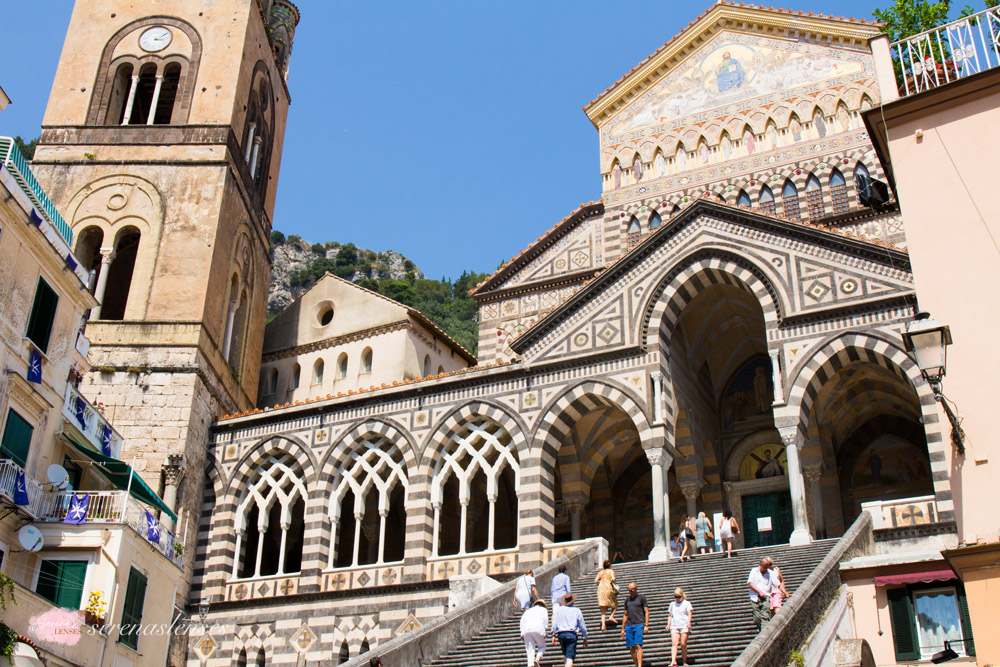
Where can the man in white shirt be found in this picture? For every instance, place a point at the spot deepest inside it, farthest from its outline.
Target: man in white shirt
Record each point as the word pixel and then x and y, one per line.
pixel 762 578
pixel 534 626
pixel 568 627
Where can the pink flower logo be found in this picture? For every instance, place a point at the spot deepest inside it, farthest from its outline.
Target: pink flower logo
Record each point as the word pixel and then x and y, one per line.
pixel 62 626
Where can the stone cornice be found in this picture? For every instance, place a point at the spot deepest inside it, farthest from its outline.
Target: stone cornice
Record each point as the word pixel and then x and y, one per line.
pixel 334 341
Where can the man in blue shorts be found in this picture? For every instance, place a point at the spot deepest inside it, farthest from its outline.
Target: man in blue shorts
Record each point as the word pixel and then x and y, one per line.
pixel 636 620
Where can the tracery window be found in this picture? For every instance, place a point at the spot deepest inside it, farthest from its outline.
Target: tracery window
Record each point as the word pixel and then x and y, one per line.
pixel 270 521
pixel 368 503
pixel 838 192
pixel 814 198
pixel 634 234
pixel 766 200
pixel 474 486
pixel 145 96
pixel 790 200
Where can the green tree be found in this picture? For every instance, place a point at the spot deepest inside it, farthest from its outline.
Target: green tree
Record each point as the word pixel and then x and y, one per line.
pixel 27 148
pixel 909 17
pixel 319 248
pixel 277 238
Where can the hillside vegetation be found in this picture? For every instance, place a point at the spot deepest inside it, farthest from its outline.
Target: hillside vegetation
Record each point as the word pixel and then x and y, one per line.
pixel 296 265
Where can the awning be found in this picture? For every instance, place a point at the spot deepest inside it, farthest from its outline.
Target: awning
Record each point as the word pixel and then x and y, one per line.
pixel 915 578
pixel 118 473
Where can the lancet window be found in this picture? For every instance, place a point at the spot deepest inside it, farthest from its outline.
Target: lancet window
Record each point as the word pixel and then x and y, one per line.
pixel 367 504
pixel 270 521
pixel 474 489
pixel 766 200
pixel 838 191
pixel 790 200
pixel 634 233
pixel 814 198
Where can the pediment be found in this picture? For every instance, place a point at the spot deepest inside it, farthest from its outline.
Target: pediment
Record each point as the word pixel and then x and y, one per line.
pixel 799 271
pixel 732 74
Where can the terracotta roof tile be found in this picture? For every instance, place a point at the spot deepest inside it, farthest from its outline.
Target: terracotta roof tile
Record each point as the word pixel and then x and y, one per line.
pixel 705 13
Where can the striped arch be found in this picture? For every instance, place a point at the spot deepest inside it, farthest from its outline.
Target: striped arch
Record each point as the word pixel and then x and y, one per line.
pixel 806 381
pixel 696 272
pixel 248 467
pixel 343 453
pixel 560 415
pixel 453 422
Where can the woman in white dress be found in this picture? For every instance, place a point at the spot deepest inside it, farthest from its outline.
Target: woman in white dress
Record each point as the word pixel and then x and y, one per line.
pixel 727 530
pixel 525 591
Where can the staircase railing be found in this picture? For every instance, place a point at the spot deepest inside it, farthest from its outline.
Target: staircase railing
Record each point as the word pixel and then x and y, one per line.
pixel 798 616
pixel 449 631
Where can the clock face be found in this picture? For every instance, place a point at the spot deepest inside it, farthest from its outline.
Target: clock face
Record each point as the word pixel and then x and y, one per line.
pixel 155 39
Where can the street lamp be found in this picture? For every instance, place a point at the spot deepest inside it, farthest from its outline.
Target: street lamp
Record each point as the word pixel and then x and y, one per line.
pixel 928 341
pixel 203 609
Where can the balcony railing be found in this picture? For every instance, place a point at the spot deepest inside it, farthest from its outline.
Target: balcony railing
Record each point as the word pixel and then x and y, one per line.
pixel 85 418
pixel 110 507
pixel 12 160
pixel 10 473
pixel 948 53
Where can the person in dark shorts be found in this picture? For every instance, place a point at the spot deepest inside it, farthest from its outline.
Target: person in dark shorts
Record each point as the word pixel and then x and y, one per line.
pixel 636 619
pixel 568 628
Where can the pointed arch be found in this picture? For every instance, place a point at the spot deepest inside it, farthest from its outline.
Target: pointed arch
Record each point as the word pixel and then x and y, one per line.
pixel 766 200
pixel 743 199
pixel 795 127
pixel 616 174
pixel 814 198
pixel 819 123
pixel 654 221
pixel 726 145
pixel 790 200
pixel 749 141
pixel 634 233
pixel 636 168
pixel 838 191
pixel 659 164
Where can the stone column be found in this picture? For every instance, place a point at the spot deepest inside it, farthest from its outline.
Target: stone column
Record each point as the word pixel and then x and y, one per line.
pixel 796 486
pixel 814 476
pixel 660 551
pixel 779 390
pixel 657 379
pixel 691 490
pixel 227 337
pixel 131 99
pixel 491 522
pixel 107 256
pixel 250 135
pixel 171 476
pixel 156 99
pixel 575 509
pixel 665 466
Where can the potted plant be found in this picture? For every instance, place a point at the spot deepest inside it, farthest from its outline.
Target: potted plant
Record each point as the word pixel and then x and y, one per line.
pixel 96 609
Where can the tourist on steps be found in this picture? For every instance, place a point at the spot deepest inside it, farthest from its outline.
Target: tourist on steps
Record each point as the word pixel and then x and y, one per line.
pixel 703 528
pixel 681 616
pixel 560 586
pixel 762 581
pixel 636 619
pixel 728 529
pixel 568 628
pixel 525 592
pixel 534 627
pixel 607 594
pixel 687 537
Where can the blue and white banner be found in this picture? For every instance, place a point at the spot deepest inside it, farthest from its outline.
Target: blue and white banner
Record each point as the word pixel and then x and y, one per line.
pixel 21 490
pixel 152 528
pixel 77 512
pixel 106 440
pixel 80 412
pixel 35 366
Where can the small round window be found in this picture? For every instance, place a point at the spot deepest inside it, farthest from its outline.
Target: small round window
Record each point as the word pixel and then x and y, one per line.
pixel 325 315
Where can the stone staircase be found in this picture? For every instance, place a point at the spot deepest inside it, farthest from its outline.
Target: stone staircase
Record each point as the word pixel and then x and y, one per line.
pixel 715 586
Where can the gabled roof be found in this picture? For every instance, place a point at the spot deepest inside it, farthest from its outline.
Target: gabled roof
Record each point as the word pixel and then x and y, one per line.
pixel 412 312
pixel 872 249
pixel 720 15
pixel 540 245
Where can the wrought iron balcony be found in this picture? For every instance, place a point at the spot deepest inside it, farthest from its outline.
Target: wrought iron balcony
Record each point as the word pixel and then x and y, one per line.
pixel 947 53
pixel 110 507
pixel 10 474
pixel 88 420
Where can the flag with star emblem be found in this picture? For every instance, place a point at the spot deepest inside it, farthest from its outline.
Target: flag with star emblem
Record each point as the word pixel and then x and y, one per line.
pixel 35 366
pixel 106 440
pixel 152 528
pixel 77 512
pixel 80 411
pixel 21 490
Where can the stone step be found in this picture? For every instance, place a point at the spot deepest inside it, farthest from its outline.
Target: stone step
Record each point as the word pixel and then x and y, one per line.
pixel 715 585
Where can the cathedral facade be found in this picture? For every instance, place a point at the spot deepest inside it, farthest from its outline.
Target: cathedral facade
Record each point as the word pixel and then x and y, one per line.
pixel 719 330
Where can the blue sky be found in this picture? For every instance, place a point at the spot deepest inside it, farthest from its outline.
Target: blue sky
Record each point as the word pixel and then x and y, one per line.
pixel 448 131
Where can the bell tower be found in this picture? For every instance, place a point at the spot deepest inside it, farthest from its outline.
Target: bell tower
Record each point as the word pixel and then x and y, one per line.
pixel 161 146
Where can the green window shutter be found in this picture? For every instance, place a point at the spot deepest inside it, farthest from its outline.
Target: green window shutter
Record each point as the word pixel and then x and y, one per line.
pixel 963 612
pixel 43 313
pixel 904 625
pixel 61 582
pixel 16 439
pixel 135 597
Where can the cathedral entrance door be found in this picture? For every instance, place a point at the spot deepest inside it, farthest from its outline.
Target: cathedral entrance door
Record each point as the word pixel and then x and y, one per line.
pixel 778 506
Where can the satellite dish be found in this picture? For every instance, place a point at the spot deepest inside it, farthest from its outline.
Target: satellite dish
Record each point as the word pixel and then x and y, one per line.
pixel 30 538
pixel 57 476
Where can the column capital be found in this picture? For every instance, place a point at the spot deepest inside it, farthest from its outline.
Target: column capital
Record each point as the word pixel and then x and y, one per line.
pixel 574 506
pixel 658 457
pixel 107 255
pixel 690 489
pixel 790 436
pixel 656 375
pixel 172 470
pixel 813 471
